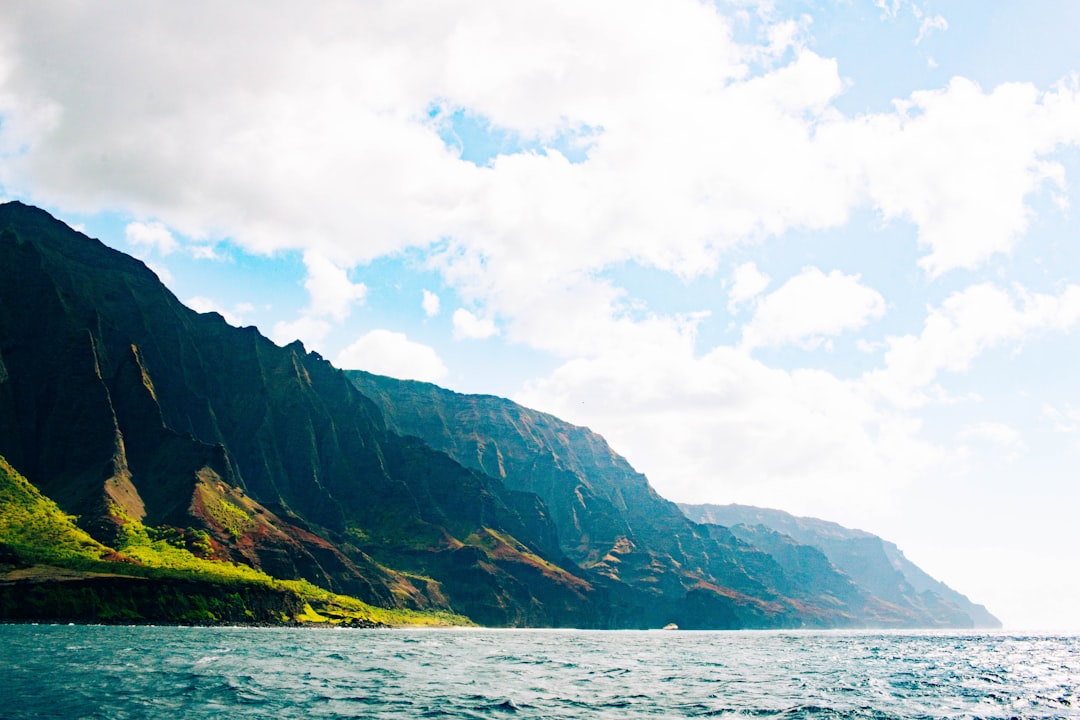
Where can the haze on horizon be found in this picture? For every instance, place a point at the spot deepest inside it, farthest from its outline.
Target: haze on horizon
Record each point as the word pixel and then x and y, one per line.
pixel 818 256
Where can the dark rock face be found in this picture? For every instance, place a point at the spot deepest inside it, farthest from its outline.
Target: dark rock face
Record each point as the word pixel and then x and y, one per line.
pixel 661 565
pixel 877 566
pixel 124 406
pixel 610 522
pixel 119 402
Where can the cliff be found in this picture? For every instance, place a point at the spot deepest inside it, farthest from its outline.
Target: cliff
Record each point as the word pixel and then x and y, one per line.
pixel 874 564
pixel 179 443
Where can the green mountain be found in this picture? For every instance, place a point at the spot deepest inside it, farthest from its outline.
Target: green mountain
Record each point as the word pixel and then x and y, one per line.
pixel 611 521
pixel 51 569
pixel 201 462
pixel 55 569
pixel 874 564
pixel 124 406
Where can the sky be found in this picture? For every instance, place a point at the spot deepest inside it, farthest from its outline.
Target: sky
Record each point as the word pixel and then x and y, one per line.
pixel 817 256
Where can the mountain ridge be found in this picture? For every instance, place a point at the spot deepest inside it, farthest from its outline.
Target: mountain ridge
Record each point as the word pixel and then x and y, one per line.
pixel 872 561
pixel 528 447
pixel 162 427
pixel 117 397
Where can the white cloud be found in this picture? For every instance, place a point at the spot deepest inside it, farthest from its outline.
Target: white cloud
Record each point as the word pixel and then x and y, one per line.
pixel 961 163
pixel 1065 419
pixel 430 303
pixel 810 307
pixel 235 316
pixel 997 433
pixel 318 135
pixel 379 164
pixel 1003 440
pixel 205 252
pixel 331 298
pixel 724 427
pixel 929 25
pixel 747 282
pixel 150 237
pixel 332 293
pixel 204 304
pixel 311 331
pixel 968 323
pixel 889 7
pixel 467 325
pixel 391 353
pixel 147 239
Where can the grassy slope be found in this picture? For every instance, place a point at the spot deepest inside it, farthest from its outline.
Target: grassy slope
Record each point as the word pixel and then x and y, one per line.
pixel 40 544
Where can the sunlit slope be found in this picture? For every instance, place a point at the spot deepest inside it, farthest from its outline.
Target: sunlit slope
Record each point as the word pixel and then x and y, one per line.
pixel 123 406
pixel 50 569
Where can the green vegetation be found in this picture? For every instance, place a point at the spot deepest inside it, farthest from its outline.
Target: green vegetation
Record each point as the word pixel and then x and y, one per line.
pixel 228 515
pixel 103 584
pixel 161 555
pixel 505 547
pixel 323 606
pixel 34 528
pixel 191 539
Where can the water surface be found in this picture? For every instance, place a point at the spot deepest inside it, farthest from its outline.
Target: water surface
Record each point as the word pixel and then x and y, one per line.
pixel 175 672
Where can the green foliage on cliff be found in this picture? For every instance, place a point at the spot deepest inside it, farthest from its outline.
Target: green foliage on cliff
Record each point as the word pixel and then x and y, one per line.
pixel 229 516
pixel 160 557
pixel 324 607
pixel 34 528
pixel 102 583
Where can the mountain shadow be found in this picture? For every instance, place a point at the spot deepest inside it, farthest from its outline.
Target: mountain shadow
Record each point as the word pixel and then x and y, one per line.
pixel 143 418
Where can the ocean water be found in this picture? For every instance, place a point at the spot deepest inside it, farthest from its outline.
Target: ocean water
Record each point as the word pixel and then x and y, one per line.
pixel 51 671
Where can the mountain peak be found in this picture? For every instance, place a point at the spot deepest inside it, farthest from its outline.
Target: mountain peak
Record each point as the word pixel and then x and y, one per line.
pixel 157 425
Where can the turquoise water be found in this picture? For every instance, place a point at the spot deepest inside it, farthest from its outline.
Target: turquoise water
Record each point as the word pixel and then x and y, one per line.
pixel 172 672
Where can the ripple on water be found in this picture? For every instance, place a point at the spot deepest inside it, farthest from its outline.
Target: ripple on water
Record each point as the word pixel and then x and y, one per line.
pixel 65 671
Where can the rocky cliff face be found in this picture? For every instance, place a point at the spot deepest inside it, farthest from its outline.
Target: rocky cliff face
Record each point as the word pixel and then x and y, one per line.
pixel 122 404
pixel 127 408
pixel 876 565
pixel 613 524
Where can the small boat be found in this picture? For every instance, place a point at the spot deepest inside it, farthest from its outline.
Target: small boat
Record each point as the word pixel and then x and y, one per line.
pixel 671 626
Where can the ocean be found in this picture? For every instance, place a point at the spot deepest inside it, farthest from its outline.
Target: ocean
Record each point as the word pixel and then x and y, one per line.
pixel 61 671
